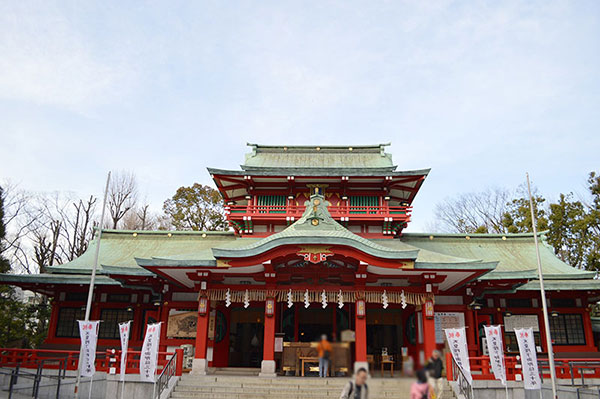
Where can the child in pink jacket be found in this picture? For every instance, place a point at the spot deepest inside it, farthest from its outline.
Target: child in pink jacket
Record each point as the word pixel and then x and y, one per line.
pixel 420 389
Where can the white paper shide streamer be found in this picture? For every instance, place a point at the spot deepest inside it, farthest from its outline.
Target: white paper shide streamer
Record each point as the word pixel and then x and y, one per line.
pixel 493 336
pixel 306 301
pixel 529 364
pixel 403 299
pixel 290 302
pixel 384 299
pixel 340 299
pixel 323 299
pixel 88 331
pixel 246 299
pixel 228 298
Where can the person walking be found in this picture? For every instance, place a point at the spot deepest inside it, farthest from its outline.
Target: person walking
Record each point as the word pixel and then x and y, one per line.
pixel 420 389
pixel 358 388
pixel 324 350
pixel 434 367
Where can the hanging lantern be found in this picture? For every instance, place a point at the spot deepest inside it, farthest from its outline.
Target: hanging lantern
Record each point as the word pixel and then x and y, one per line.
pixel 360 308
pixel 429 309
pixel 384 299
pixel 403 300
pixel 289 299
pixel 228 298
pixel 340 299
pixel 323 299
pixel 203 306
pixel 246 299
pixel 306 300
pixel 270 307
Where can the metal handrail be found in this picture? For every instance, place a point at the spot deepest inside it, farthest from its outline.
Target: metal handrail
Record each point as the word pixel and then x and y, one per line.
pixel 166 374
pixel 16 372
pixel 465 388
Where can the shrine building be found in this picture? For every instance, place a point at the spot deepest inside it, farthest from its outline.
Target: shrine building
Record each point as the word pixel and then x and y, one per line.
pixel 316 246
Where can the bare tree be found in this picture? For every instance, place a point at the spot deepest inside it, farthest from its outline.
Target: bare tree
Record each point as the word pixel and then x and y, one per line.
pixel 58 229
pixel 474 212
pixel 140 218
pixel 79 227
pixel 122 196
pixel 16 202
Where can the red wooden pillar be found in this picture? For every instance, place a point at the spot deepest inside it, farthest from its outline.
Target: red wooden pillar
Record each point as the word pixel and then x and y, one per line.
pixel 53 320
pixel 428 329
pixel 164 319
pixel 267 366
pixel 589 333
pixel 360 328
pixel 200 364
pixel 471 332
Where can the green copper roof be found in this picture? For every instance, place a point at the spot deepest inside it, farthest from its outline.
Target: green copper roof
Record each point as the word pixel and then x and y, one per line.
pixel 316 226
pixel 515 253
pixel 367 156
pixel 562 285
pixel 119 248
pixel 54 278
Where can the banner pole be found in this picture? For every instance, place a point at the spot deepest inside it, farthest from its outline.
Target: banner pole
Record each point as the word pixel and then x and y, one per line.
pixel 91 381
pixel 543 294
pixel 123 389
pixel 92 281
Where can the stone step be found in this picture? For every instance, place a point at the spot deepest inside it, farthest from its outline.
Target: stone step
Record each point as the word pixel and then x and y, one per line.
pixel 250 387
pixel 253 380
pixel 266 389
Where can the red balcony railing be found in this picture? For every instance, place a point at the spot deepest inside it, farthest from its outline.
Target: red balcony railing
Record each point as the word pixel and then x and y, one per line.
pixel 566 368
pixel 337 212
pixel 53 359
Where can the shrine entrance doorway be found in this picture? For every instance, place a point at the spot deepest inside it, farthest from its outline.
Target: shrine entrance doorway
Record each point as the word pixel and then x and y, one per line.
pixel 246 331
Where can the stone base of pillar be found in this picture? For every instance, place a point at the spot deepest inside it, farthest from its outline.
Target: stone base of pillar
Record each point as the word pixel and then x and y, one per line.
pixel 361 365
pixel 199 367
pixel 267 368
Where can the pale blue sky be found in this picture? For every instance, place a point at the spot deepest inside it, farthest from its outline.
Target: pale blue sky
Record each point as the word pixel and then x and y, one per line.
pixel 481 92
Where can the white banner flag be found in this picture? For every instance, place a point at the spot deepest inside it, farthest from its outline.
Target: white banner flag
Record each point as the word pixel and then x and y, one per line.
pixel 529 365
pixel 457 342
pixel 493 336
pixel 124 333
pixel 88 332
pixel 149 356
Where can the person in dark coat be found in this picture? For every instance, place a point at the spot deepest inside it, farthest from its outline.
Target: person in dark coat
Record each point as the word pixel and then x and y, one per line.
pixel 434 368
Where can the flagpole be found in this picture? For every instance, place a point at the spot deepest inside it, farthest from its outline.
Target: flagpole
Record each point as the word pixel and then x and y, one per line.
pixel 91 381
pixel 542 293
pixel 92 280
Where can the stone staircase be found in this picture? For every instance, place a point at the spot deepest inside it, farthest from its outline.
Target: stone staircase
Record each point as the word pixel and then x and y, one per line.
pixel 231 386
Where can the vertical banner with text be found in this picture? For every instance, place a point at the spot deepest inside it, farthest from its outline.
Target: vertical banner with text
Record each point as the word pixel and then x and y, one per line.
pixel 124 333
pixel 88 331
pixel 529 365
pixel 149 355
pixel 493 335
pixel 457 342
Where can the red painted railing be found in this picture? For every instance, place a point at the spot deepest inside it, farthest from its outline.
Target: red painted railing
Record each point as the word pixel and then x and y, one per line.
pixel 566 368
pixel 30 358
pixel 273 211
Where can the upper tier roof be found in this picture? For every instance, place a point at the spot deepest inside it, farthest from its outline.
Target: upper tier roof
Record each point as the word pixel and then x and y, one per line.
pixel 337 157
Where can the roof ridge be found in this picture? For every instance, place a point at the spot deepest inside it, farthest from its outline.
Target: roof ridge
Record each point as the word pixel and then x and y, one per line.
pixel 167 232
pixel 472 235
